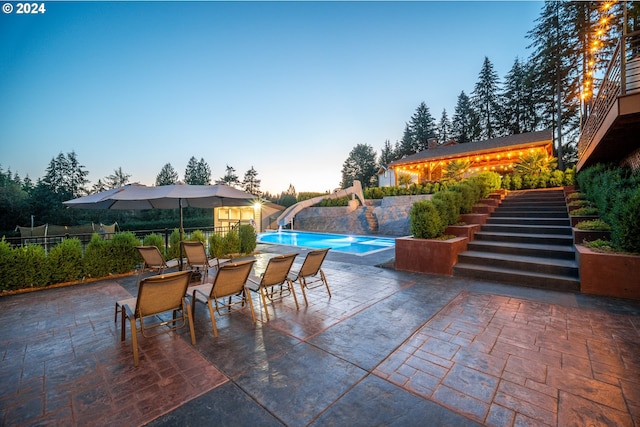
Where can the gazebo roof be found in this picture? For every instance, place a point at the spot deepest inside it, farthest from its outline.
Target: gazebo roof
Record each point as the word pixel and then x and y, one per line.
pixel 511 142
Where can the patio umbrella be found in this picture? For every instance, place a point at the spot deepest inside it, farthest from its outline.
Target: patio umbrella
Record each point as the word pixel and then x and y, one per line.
pixel 176 196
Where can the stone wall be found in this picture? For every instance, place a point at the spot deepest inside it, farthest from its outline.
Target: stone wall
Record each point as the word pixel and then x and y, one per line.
pixel 392 215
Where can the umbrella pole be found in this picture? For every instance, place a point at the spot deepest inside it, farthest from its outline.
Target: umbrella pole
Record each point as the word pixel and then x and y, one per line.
pixel 181 232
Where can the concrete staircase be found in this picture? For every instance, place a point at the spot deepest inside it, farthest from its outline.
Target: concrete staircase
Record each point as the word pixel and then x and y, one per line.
pixel 371 219
pixel 526 241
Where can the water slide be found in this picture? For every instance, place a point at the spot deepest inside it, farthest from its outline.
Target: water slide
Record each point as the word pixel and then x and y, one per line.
pixel 287 216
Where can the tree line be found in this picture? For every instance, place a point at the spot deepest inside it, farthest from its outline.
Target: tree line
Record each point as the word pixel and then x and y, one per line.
pixel 571 45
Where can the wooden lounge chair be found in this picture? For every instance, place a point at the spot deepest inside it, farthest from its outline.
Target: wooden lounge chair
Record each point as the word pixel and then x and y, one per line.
pixel 198 260
pixel 229 281
pixel 152 259
pixel 274 283
pixel 311 275
pixel 157 295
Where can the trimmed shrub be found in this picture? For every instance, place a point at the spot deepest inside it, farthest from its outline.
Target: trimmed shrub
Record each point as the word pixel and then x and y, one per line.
pixel 452 201
pixel 154 239
pixel 173 251
pixel 248 239
pixel 124 253
pixel 65 261
pixel 31 267
pixel 231 243
pixel 424 220
pixel 626 228
pixel 8 266
pixel 197 236
pixel 216 245
pixel 97 257
pixel 596 224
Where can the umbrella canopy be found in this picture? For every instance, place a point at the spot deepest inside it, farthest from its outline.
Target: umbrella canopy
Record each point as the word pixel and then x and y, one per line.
pixel 177 196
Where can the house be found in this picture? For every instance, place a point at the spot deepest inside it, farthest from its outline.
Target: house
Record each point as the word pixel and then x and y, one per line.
pixel 498 154
pixel 386 177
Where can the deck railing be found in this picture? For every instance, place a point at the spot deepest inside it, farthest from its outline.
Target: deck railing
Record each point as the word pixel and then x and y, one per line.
pixel 621 78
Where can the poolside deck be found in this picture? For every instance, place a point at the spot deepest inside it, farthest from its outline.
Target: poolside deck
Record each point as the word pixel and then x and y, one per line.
pixel 389 348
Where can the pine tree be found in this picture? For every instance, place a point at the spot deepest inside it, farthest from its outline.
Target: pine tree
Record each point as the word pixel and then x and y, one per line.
pixel 117 179
pixel 464 126
pixel 485 99
pixel 513 99
pixel 197 172
pixel 251 183
pixel 422 127
pixel 444 128
pixel 230 178
pixel 167 176
pixel 361 165
pixel 386 154
pixel 406 146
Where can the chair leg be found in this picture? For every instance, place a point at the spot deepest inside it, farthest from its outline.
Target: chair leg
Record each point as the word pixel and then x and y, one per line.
pixel 264 301
pixel 123 325
pixel 246 296
pixel 324 280
pixel 115 315
pixel 302 286
pixel 293 291
pixel 134 341
pixel 190 317
pixel 213 319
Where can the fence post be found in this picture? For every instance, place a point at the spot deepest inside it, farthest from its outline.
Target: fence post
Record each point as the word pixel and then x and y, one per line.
pixel 166 239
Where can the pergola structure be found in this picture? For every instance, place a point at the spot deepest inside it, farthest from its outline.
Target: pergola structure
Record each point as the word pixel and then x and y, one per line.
pixel 499 155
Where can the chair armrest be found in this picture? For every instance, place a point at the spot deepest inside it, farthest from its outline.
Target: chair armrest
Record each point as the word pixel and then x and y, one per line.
pixel 128 311
pixel 172 263
pixel 253 283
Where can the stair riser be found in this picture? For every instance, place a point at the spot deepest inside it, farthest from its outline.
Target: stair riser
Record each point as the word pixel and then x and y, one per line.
pixel 548 239
pixel 502 228
pixel 558 222
pixel 541 268
pixel 514 279
pixel 532 214
pixel 512 250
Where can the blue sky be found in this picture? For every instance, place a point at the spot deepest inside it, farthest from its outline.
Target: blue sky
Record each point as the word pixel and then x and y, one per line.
pixel 286 87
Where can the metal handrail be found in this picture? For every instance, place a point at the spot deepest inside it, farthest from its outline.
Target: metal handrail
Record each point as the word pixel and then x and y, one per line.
pixel 614 84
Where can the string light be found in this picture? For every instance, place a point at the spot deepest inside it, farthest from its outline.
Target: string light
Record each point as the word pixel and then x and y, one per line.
pixel 596 45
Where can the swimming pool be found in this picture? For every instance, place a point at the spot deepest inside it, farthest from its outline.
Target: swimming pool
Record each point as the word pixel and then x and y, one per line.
pixel 357 245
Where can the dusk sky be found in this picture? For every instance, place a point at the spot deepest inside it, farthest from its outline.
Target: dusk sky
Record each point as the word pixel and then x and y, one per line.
pixel 289 88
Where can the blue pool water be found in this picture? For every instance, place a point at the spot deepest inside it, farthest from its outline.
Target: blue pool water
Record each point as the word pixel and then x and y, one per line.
pixel 357 245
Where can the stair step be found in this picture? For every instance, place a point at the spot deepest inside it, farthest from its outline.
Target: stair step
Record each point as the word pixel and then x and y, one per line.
pixel 524 249
pixel 517 277
pixel 527 228
pixel 543 222
pixel 551 239
pixel 560 267
pixel 530 213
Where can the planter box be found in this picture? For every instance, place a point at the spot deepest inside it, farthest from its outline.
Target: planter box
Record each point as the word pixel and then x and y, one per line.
pixel 485 209
pixel 614 275
pixel 579 218
pixel 428 255
pixel 467 231
pixel 568 189
pixel 490 202
pixel 474 218
pixel 580 236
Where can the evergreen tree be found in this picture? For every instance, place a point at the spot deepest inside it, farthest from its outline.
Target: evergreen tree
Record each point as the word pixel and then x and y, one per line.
pixel 444 128
pixel 167 176
pixel 512 118
pixel 386 154
pixel 197 172
pixel 406 146
pixel 422 127
pixel 251 183
pixel 66 177
pixel 230 178
pixel 465 124
pixel 361 165
pixel 117 179
pixel 485 99
pixel 98 187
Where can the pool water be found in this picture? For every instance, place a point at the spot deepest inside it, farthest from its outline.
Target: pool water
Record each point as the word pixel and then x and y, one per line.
pixel 357 245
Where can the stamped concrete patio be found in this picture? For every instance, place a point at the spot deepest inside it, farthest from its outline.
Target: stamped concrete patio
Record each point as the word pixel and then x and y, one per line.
pixel 389 348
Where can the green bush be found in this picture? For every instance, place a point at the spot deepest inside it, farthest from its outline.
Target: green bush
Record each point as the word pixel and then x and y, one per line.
pixel 557 178
pixel 216 245
pixel 31 267
pixel 488 182
pixel 97 257
pixel 452 201
pixel 231 243
pixel 424 220
pixel 596 224
pixel 626 228
pixel 586 211
pixel 470 193
pixel 197 236
pixel 8 266
pixel 124 253
pixel 65 261
pixel 173 251
pixel 248 239
pixel 154 239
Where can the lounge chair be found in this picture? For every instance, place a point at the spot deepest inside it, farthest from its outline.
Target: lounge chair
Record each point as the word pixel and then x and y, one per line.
pixel 274 284
pixel 157 295
pixel 151 260
pixel 311 275
pixel 229 281
pixel 198 260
